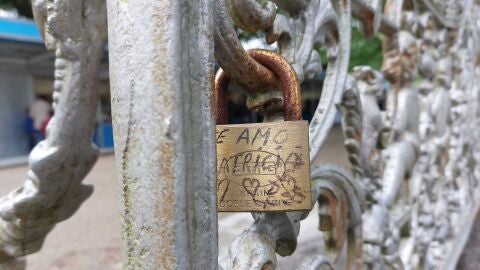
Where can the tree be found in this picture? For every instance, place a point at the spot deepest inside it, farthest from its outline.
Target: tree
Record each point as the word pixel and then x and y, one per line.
pixel 23 7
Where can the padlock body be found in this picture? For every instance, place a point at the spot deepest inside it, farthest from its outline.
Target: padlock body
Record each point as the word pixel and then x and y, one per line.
pixel 263 167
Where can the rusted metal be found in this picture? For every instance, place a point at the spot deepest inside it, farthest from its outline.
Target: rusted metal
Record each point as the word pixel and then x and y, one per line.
pixel 341 204
pixel 291 88
pixel 292 108
pixel 251 15
pixel 288 188
pixel 219 97
pixel 372 20
pixel 292 7
pixel 234 60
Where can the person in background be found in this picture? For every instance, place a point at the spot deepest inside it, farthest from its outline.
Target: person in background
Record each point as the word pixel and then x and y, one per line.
pixel 43 128
pixel 40 112
pixel 30 130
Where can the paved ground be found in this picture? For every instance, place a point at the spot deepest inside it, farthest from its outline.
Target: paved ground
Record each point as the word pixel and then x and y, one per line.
pixel 91 240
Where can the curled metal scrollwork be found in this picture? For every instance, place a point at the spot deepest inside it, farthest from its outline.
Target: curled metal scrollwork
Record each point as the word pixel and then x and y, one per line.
pixel 233 58
pixel 415 160
pixel 418 135
pixel 53 190
pixel 341 202
pixel 252 16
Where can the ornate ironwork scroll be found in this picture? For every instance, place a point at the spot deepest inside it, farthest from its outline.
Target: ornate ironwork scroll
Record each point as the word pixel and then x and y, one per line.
pixel 408 201
pixel 414 162
pixel 53 190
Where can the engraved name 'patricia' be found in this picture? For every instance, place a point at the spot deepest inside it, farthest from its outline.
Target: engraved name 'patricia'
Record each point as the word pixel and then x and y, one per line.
pixel 253 163
pixel 261 167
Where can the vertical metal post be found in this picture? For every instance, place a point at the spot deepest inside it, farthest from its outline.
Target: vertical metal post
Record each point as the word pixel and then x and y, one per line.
pixel 161 70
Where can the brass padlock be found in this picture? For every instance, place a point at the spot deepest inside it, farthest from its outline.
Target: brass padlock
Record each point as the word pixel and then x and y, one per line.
pixel 263 166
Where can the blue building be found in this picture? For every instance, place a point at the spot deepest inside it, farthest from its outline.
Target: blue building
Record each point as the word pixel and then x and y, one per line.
pixel 26 71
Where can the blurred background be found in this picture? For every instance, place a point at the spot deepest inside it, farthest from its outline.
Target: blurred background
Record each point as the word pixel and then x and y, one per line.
pixel 26 85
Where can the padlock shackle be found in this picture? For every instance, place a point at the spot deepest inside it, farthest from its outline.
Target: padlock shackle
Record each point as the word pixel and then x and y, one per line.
pixel 292 107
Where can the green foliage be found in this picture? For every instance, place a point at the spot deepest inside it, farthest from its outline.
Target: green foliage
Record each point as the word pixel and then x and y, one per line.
pixel 365 51
pixel 23 7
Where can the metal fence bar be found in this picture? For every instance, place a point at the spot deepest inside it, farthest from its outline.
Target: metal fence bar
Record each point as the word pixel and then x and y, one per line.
pixel 161 59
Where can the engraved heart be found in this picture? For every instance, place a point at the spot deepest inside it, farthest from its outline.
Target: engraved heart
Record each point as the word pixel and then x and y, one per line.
pixel 251 185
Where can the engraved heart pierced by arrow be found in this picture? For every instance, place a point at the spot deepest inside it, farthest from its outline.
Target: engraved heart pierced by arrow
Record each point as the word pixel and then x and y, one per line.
pixel 251 185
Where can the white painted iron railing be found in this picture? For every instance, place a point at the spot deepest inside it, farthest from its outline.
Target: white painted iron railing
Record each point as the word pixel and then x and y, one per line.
pixel 408 202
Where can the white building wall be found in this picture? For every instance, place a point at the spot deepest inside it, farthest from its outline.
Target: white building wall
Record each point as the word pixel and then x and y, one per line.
pixel 16 94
